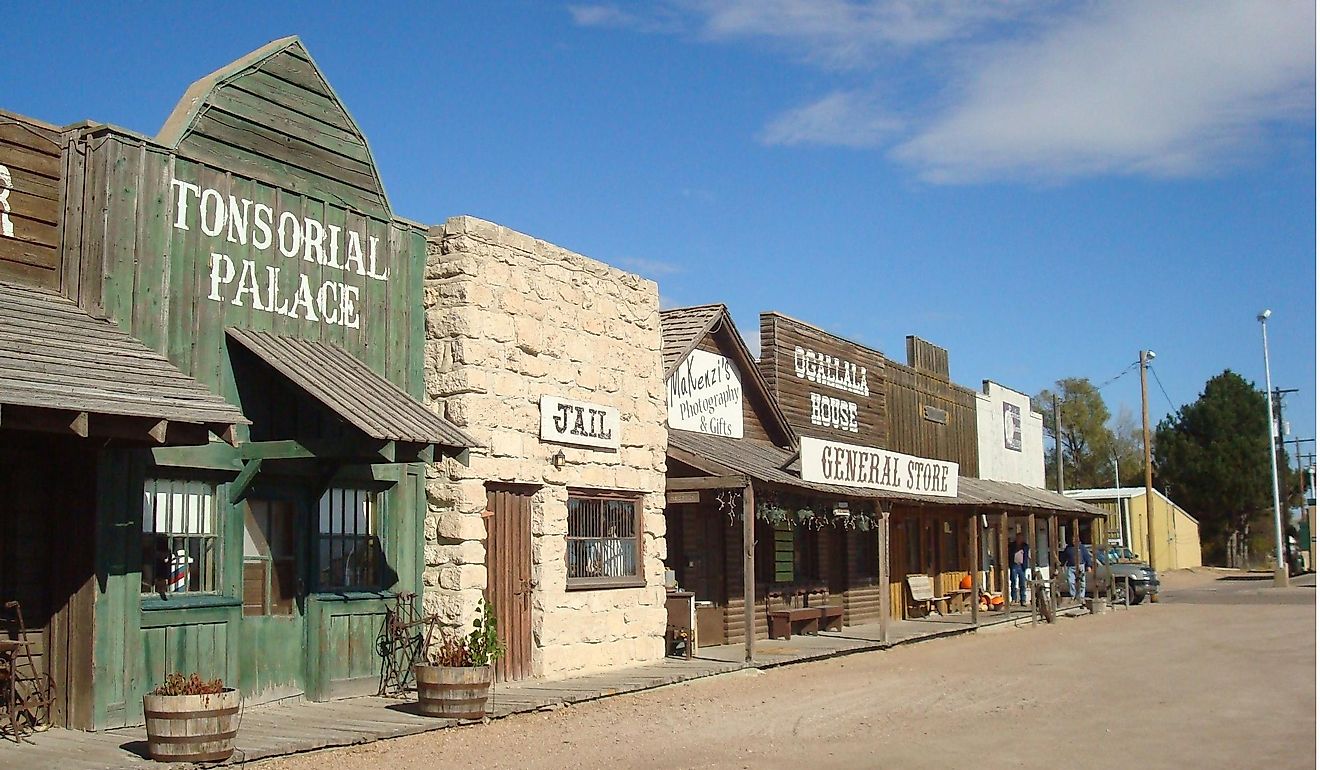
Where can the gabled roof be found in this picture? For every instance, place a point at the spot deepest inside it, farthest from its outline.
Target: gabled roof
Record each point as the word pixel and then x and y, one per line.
pixel 272 115
pixel 54 355
pixel 1106 494
pixel 682 330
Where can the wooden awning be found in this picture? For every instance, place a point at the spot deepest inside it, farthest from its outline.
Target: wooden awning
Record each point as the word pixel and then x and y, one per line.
pixel 62 370
pixel 346 386
pixel 774 465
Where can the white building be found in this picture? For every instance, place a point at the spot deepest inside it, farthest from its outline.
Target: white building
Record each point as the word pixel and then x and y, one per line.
pixel 1010 437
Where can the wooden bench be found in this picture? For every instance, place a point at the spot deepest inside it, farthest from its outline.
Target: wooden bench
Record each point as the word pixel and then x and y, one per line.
pixel 922 592
pixel 781 621
pixel 831 617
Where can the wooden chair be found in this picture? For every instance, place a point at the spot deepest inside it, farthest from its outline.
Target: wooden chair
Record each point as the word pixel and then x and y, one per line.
pixel 921 589
pixel 26 694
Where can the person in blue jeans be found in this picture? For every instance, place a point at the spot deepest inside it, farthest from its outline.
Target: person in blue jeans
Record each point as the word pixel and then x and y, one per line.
pixel 1019 559
pixel 1076 583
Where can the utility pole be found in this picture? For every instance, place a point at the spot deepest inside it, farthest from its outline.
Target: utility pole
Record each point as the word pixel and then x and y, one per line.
pixel 1058 447
pixel 1301 469
pixel 1145 357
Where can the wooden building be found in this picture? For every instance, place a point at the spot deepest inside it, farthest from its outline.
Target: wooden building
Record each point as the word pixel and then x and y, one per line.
pixel 214 337
pixel 852 398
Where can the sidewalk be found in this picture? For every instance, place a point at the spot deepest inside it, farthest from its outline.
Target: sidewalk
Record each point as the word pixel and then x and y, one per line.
pixel 281 729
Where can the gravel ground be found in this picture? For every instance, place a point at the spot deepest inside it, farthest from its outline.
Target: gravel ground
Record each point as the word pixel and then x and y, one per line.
pixel 1220 674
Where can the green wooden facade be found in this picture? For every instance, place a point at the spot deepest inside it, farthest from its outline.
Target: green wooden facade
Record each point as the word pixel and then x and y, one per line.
pixel 257 207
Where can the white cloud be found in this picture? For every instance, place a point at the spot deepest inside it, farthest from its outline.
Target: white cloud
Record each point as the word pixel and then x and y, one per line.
pixel 842 118
pixel 650 267
pixel 980 90
pixel 1159 89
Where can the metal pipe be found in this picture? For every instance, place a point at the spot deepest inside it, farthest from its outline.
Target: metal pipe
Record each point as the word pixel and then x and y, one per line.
pixel 1280 570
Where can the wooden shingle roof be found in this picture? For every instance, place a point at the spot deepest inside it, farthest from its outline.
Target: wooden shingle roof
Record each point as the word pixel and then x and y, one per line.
pixel 54 355
pixel 681 330
pixel 345 385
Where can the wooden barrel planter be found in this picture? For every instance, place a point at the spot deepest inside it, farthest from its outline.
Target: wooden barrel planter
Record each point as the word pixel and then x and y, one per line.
pixel 453 692
pixel 192 728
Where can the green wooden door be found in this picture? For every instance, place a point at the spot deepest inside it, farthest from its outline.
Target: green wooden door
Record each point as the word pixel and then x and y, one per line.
pixel 273 663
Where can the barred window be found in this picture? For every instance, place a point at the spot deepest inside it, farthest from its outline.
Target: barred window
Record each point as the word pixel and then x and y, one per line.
pixel 349 554
pixel 604 541
pixel 181 544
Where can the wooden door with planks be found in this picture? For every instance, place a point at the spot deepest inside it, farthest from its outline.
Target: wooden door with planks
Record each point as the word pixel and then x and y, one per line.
pixel 509 583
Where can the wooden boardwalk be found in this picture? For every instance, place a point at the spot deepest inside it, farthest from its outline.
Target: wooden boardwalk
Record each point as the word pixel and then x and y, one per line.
pixel 292 728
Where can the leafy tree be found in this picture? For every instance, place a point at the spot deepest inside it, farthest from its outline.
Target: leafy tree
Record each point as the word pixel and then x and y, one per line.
pixel 1089 443
pixel 1213 457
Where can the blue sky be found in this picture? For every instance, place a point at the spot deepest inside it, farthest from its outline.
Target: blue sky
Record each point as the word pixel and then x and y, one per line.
pixel 1043 188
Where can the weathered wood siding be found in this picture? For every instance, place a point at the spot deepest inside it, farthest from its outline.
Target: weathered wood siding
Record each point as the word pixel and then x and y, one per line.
pixel 783 340
pixel 30 201
pixel 155 279
pixel 917 431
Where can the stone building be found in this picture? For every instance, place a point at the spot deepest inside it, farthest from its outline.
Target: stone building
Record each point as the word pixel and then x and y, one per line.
pixel 551 362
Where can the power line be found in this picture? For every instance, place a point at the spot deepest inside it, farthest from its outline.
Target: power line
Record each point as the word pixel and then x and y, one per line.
pixel 1172 408
pixel 1118 376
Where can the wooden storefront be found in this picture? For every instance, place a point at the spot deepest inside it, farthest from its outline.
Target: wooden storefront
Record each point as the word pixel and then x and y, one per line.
pixel 808 550
pixel 251 249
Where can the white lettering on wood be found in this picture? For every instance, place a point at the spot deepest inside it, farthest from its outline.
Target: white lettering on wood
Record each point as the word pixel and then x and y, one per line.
pixel 6 184
pixel 258 226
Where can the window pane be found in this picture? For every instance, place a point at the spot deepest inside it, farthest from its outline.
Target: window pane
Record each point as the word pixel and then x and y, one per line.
pixel 348 553
pixel 180 544
pixel 602 538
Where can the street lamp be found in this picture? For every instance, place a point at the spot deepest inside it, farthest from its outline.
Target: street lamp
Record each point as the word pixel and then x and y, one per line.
pixel 1280 569
pixel 1144 357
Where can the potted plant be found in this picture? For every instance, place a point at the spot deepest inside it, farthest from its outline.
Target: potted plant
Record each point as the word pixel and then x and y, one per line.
pixel 455 681
pixel 190 719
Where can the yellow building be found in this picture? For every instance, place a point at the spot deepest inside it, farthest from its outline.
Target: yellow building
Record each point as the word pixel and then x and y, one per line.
pixel 1177 534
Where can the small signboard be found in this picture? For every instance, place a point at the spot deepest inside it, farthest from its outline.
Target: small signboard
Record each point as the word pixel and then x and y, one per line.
pixel 579 423
pixel 848 465
pixel 705 396
pixel 683 497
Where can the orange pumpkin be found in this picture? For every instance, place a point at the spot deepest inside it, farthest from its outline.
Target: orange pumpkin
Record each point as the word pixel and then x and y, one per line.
pixel 995 601
pixel 966 582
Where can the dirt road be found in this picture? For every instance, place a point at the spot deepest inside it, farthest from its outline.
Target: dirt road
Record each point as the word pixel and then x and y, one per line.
pixel 1220 674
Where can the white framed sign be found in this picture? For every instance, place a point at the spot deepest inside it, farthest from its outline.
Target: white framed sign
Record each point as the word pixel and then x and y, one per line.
pixel 848 465
pixel 705 396
pixel 565 421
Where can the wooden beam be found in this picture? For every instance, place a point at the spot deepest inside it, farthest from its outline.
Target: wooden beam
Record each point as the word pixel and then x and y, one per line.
pixel 79 425
pixel 749 569
pixel 705 482
pixel 238 490
pixel 1002 559
pixel 371 451
pixel 159 430
pixel 885 609
pixel 974 549
pixel 228 433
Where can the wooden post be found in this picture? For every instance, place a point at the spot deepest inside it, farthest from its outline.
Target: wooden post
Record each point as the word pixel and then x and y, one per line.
pixel 974 550
pixel 1079 569
pixel 1052 538
pixel 749 569
pixel 883 526
pixel 1032 558
pixel 1003 563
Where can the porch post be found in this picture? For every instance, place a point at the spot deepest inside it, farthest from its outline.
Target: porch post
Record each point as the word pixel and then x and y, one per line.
pixel 1052 538
pixel 749 569
pixel 974 551
pixel 883 569
pixel 1080 568
pixel 1002 559
pixel 1033 557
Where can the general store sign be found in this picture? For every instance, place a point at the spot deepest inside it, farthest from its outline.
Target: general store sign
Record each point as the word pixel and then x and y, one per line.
pixel 705 396
pixel 282 244
pixel 848 465
pixel 580 423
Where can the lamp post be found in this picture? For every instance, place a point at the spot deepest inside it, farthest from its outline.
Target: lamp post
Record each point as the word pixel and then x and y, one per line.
pixel 1145 357
pixel 1280 569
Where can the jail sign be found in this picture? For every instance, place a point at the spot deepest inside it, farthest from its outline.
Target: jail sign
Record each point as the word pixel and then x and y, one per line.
pixel 580 423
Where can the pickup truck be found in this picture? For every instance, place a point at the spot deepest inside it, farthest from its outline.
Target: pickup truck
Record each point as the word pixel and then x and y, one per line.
pixel 1113 564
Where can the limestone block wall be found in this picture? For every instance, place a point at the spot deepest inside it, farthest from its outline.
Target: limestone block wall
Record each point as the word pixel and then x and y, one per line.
pixel 510 318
